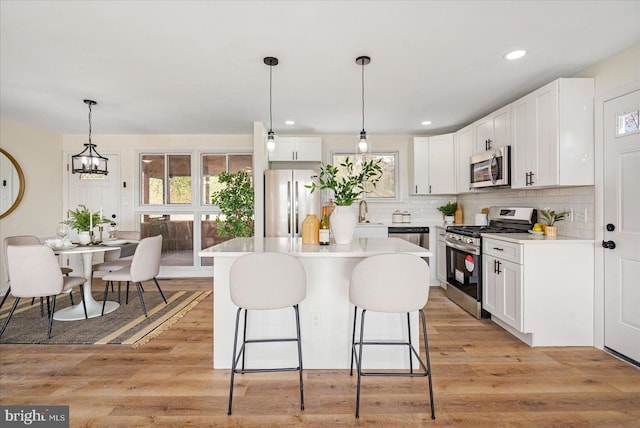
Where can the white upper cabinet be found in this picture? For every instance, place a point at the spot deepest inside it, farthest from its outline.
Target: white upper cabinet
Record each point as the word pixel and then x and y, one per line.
pixel 433 166
pixel 307 149
pixel 492 131
pixel 552 135
pixel 464 143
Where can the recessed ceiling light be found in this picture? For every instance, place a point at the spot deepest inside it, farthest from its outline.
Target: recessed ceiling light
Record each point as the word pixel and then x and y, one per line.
pixel 426 122
pixel 515 55
pixel 289 122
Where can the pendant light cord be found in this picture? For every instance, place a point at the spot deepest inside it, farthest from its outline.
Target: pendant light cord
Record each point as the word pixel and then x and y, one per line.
pixel 270 98
pixel 363 95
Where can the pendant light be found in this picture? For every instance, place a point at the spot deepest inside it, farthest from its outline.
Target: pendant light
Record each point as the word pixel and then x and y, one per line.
pixel 363 146
pixel 89 161
pixel 271 142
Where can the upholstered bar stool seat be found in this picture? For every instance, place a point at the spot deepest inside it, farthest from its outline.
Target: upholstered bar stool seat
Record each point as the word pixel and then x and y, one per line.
pixel 261 281
pixel 390 283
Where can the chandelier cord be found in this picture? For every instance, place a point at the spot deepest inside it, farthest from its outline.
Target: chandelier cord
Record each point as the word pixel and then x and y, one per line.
pixel 89 123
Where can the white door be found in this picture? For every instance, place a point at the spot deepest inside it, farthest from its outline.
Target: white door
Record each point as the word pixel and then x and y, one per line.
pixel 98 192
pixel 622 225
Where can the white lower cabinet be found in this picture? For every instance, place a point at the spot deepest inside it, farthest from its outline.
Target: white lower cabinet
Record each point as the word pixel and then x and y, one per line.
pixel 502 281
pixel 441 256
pixel 541 291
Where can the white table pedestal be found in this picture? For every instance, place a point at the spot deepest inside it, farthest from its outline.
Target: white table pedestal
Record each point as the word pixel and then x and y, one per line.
pixel 94 307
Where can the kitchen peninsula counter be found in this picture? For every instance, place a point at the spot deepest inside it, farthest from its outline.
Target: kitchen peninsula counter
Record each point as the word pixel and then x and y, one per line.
pixel 326 315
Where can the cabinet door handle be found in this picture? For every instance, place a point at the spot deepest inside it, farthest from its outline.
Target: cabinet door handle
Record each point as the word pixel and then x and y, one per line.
pixel 499 271
pixel 495 266
pixel 429 188
pixel 416 188
pixel 531 178
pixel 488 143
pixel 498 249
pixel 526 178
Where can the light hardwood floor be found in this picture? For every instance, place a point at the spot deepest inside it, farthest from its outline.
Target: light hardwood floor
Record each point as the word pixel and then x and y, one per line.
pixel 482 376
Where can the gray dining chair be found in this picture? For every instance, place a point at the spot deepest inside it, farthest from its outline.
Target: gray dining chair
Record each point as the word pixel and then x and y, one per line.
pixel 145 266
pixel 390 283
pixel 35 273
pixel 265 281
pixel 27 240
pixel 112 260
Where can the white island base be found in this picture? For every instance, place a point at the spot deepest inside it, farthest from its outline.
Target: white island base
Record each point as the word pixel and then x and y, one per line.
pixel 326 316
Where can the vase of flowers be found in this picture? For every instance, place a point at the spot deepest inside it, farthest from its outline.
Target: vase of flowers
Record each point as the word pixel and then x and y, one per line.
pixel 348 181
pixel 550 217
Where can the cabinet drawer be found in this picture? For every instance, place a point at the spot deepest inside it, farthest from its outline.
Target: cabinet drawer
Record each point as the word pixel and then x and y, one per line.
pixel 503 250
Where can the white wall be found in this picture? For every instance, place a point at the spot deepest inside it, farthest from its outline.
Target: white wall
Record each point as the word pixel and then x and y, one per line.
pixel 38 151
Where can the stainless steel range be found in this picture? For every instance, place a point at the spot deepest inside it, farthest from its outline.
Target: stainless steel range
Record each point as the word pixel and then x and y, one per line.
pixel 464 254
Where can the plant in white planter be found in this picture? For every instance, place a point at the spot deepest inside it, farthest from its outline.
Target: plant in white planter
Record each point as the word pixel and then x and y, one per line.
pixel 348 183
pixel 82 220
pixel 448 211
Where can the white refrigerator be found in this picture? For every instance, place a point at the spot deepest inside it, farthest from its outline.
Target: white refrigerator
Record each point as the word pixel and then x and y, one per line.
pixel 288 201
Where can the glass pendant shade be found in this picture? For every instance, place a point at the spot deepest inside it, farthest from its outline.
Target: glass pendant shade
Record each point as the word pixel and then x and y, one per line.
pixel 363 146
pixel 89 161
pixel 271 142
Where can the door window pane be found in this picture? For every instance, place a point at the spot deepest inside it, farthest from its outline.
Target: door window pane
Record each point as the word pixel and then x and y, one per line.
pixel 628 123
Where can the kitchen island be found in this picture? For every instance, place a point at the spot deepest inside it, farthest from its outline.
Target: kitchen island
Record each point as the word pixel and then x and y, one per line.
pixel 326 315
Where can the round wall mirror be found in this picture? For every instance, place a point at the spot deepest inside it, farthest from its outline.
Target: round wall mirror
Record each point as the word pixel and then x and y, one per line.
pixel 11 184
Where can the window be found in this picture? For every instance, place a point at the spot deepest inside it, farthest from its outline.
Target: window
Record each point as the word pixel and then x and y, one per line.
pixel 213 165
pixel 165 179
pixel 170 206
pixel 386 189
pixel 627 123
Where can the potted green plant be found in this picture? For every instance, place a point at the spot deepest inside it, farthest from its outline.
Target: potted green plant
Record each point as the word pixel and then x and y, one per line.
pixel 235 201
pixel 83 220
pixel 448 211
pixel 348 182
pixel 550 217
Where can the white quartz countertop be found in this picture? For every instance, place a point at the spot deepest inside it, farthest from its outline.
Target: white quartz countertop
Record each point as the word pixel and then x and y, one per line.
pixel 528 238
pixel 359 247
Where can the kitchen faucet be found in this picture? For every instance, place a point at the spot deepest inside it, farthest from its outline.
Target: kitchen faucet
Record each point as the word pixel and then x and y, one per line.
pixel 362 217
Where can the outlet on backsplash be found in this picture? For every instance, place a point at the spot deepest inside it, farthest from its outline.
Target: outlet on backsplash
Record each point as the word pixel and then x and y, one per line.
pixel 580 215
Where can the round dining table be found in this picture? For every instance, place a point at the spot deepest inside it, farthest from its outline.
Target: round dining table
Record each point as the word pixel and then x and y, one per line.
pixel 94 307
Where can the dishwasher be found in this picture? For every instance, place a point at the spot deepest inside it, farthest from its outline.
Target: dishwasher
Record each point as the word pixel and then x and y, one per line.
pixel 418 235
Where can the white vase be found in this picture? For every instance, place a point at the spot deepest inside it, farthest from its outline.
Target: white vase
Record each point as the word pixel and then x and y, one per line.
pixel 449 219
pixel 84 238
pixel 343 224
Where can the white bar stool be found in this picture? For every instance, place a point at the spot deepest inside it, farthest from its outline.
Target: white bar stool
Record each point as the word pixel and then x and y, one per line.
pixel 391 283
pixel 262 281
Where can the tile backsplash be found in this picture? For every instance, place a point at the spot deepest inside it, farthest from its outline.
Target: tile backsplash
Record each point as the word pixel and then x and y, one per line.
pixel 579 199
pixel 425 208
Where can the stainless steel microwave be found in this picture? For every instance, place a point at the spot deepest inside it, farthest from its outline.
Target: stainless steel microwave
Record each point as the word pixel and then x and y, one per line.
pixel 491 168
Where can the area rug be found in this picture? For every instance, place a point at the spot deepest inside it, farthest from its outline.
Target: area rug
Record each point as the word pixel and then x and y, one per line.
pixel 126 325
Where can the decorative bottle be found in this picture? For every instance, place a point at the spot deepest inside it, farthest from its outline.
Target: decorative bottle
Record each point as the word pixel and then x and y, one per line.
pixel 310 230
pixel 324 227
pixel 458 214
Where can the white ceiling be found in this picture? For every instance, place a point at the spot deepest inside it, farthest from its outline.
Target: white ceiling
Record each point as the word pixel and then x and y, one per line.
pixel 196 67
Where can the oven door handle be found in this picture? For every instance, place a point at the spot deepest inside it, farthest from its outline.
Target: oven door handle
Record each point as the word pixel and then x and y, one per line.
pixel 462 247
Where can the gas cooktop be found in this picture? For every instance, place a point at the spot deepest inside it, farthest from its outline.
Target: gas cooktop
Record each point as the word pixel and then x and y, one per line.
pixel 475 231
